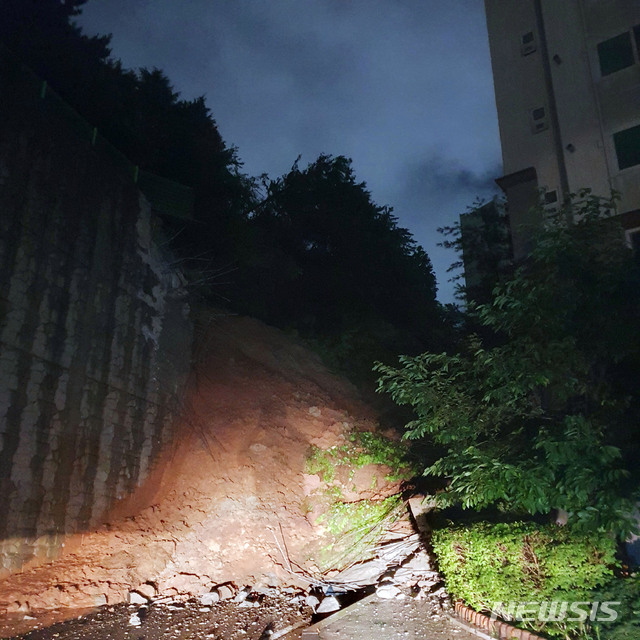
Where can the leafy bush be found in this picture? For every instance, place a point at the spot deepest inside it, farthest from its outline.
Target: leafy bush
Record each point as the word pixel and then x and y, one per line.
pixel 490 565
pixel 539 412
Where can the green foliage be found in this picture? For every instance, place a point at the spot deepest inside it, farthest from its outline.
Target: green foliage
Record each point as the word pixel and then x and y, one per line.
pixel 539 419
pixel 374 448
pixel 363 448
pixel 359 517
pixel 626 591
pixel 323 463
pixel 355 526
pixel 487 564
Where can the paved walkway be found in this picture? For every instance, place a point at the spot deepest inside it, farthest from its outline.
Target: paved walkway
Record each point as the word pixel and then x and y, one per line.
pixel 372 618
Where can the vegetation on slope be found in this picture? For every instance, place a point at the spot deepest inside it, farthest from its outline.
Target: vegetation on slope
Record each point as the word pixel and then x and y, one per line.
pixel 543 417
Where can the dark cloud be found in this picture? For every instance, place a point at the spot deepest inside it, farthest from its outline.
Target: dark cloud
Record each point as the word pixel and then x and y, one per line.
pixel 443 175
pixel 403 87
pixel 432 193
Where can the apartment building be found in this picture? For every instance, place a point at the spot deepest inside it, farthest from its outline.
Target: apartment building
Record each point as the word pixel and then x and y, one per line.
pixel 567 86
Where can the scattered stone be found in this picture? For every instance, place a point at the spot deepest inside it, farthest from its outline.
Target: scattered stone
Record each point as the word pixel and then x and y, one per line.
pixel 328 604
pixel 226 591
pixel 135 620
pixel 387 591
pixel 208 599
pixel 268 584
pixel 403 576
pixel 16 606
pixel 429 581
pixel 315 412
pixel 242 594
pixel 137 598
pixel 312 601
pixel 441 593
pixel 100 600
pixel 148 590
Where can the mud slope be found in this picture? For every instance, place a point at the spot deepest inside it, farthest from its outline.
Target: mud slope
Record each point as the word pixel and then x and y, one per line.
pixel 229 501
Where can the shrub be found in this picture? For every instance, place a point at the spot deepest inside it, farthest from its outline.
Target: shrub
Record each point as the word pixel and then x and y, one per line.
pixel 489 564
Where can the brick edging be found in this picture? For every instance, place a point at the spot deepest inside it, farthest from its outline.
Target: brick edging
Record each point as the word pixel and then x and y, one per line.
pixel 498 628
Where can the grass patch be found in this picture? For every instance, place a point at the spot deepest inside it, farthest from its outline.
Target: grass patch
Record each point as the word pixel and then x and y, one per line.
pixel 353 527
pixel 361 449
pixel 358 517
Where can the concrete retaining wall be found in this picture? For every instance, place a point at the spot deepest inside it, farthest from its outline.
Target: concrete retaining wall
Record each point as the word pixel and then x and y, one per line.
pixel 94 330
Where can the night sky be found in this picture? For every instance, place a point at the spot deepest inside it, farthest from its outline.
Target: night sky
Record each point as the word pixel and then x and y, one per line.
pixel 403 87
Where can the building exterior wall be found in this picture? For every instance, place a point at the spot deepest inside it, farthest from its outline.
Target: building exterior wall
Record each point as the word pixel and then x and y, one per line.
pixel 94 330
pixel 561 73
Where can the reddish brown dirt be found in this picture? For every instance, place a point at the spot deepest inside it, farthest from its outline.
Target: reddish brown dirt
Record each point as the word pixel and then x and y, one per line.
pixel 228 500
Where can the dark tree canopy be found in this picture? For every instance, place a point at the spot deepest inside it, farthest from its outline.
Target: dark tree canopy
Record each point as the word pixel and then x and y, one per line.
pixel 330 260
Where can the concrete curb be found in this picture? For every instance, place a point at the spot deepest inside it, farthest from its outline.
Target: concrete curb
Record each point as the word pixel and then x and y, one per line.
pixel 469 628
pixel 497 628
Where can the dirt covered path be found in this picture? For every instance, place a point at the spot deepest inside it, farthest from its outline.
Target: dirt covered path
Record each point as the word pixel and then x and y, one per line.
pixel 275 616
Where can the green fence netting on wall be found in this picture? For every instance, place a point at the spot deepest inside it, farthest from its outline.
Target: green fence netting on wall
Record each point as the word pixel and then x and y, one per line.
pixel 165 196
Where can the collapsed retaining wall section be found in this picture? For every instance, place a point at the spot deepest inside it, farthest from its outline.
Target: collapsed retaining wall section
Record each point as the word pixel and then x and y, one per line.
pixel 94 330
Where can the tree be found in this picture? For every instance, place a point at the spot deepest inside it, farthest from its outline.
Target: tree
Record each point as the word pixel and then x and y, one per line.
pixel 547 417
pixel 43 35
pixel 331 262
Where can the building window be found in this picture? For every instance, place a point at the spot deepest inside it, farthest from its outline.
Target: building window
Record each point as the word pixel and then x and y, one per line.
pixel 527 43
pixel 627 145
pixel 551 197
pixel 538 120
pixel 617 53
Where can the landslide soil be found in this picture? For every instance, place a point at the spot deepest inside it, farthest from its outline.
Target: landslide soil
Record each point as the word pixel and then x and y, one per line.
pixel 228 500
